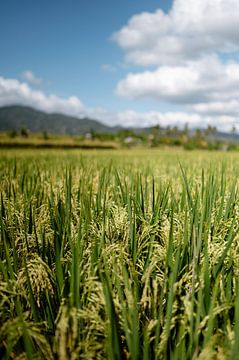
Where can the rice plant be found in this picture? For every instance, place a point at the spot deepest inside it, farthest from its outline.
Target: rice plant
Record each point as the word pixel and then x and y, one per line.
pixel 125 255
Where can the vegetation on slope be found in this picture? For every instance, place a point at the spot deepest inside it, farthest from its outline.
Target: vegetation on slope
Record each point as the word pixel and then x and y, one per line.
pixel 18 117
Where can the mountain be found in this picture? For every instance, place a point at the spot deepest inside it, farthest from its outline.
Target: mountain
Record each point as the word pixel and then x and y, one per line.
pixel 17 117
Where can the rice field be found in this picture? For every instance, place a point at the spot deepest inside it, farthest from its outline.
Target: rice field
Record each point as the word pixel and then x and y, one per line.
pixel 119 255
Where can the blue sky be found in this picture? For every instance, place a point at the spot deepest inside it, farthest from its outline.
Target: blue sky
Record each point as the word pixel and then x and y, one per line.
pixel 131 62
pixel 68 44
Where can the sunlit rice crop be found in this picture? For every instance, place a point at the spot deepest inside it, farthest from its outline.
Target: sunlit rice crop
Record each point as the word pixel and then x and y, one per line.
pixel 124 255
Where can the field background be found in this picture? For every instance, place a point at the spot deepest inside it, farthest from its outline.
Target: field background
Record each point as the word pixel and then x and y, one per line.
pixel 119 254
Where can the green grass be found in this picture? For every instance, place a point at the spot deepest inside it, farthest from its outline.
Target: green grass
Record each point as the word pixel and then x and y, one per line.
pixel 119 255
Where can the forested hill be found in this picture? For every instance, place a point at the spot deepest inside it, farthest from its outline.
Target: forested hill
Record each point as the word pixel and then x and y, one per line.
pixel 17 117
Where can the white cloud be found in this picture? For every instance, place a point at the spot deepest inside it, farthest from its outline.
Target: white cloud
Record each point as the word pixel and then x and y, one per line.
pixel 13 91
pixel 192 47
pixel 229 108
pixel 207 79
pixel 132 118
pixel 190 30
pixel 31 78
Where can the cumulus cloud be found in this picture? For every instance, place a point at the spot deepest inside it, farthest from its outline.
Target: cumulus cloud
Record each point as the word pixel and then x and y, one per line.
pixel 13 91
pixel 208 79
pixel 229 108
pixel 191 29
pixel 189 54
pixel 133 118
pixel 31 78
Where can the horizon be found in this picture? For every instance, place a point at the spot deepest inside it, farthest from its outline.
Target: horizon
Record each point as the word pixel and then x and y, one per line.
pixel 181 127
pixel 126 64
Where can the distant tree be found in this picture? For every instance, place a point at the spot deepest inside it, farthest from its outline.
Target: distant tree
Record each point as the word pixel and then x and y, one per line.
pixel 185 131
pixel 210 130
pixel 156 130
pixel 12 133
pixel 24 132
pixel 175 131
pixel 123 133
pixel 198 134
pixel 233 129
pixel 168 130
pixel 93 134
pixel 45 135
pixel 172 131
